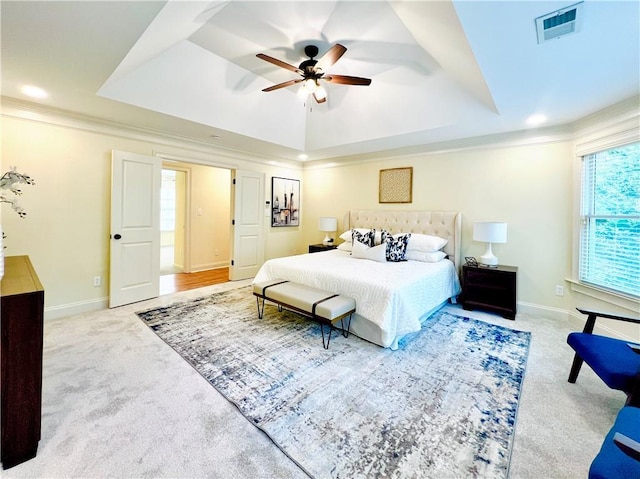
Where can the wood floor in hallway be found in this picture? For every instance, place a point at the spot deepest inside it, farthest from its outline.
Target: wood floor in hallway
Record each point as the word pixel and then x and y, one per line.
pixel 173 283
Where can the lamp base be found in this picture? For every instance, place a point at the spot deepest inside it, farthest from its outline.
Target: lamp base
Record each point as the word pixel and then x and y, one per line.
pixel 488 259
pixel 327 240
pixel 482 265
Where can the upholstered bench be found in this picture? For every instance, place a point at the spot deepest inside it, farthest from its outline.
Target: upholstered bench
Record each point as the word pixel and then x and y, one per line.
pixel 322 306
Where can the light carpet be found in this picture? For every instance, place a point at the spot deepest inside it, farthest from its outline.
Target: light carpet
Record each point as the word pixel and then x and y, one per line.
pixel 443 405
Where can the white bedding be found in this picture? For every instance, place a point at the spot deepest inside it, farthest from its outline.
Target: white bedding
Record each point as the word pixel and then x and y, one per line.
pixel 394 297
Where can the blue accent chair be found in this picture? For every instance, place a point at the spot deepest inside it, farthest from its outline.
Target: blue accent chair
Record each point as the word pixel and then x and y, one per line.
pixel 615 361
pixel 619 456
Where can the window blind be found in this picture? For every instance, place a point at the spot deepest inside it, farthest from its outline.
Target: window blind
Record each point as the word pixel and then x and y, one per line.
pixel 610 235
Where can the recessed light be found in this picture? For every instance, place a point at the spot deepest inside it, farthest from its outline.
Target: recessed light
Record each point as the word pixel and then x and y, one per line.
pixel 302 157
pixel 34 91
pixel 537 119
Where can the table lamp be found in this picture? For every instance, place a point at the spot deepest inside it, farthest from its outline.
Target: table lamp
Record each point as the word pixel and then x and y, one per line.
pixel 489 232
pixel 327 224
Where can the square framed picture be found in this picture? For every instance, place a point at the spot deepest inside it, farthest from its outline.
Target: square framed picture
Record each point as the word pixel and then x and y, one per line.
pixel 396 185
pixel 285 202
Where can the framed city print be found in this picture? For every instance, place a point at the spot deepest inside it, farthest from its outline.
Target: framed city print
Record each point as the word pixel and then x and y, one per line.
pixel 285 202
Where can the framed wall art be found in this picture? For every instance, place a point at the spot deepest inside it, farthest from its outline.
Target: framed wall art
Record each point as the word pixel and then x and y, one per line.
pixel 396 185
pixel 285 202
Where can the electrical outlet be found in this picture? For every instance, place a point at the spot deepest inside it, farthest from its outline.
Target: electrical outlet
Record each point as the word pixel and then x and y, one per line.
pixel 97 280
pixel 559 290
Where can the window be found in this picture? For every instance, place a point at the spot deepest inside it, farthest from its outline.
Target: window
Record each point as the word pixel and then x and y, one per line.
pixel 610 234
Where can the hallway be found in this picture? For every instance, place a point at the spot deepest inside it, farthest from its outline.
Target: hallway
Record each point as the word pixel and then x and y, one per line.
pixel 173 283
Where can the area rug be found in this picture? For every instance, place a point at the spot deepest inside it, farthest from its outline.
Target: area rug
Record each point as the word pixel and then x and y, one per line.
pixel 441 406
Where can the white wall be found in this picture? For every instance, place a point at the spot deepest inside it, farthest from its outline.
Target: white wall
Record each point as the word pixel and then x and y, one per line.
pixel 66 231
pixel 526 186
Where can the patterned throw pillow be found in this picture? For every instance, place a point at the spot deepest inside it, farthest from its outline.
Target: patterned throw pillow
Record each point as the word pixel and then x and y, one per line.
pixel 397 247
pixel 365 238
pixel 381 236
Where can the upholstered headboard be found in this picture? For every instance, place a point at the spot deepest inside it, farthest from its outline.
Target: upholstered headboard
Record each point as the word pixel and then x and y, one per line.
pixel 445 224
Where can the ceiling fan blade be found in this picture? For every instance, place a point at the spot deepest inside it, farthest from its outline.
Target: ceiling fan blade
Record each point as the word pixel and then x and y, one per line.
pixel 333 55
pixel 319 100
pixel 347 80
pixel 283 85
pixel 279 63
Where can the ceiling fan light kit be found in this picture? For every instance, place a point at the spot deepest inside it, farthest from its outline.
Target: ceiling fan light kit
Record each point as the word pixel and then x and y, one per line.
pixel 312 71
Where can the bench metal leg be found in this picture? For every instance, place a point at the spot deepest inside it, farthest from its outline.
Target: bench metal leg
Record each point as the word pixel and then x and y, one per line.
pixel 326 344
pixel 260 310
pixel 261 307
pixel 345 332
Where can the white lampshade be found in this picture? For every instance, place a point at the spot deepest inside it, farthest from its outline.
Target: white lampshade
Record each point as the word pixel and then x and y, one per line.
pixel 489 232
pixel 327 224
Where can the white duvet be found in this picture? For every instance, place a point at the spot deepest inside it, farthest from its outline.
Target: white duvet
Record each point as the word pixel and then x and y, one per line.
pixel 392 296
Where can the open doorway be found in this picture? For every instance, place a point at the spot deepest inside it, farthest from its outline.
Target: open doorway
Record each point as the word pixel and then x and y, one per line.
pixel 172 221
pixel 195 226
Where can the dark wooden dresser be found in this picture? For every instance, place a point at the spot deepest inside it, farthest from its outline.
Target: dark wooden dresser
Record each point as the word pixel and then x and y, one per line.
pixel 21 387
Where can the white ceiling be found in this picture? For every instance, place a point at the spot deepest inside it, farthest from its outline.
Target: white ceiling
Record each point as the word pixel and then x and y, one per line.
pixel 440 70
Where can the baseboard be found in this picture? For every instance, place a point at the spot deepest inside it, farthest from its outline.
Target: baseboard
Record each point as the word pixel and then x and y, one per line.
pixel 205 267
pixel 575 320
pixel 541 310
pixel 55 312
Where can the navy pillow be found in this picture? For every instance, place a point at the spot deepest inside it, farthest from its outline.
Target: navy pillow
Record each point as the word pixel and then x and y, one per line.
pixel 397 247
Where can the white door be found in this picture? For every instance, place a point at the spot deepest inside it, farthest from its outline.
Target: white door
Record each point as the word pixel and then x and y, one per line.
pixel 135 228
pixel 247 254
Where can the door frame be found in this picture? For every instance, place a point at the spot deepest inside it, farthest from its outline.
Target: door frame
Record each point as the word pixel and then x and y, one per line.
pixel 168 158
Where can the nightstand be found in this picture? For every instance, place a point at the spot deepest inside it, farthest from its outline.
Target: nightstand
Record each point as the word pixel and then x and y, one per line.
pixel 493 289
pixel 315 248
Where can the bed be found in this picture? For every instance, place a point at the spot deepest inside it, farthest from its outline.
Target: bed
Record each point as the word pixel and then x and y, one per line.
pixel 392 299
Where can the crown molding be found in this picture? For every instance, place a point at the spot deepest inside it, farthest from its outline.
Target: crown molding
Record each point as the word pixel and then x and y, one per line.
pixel 23 110
pixel 623 114
pixel 537 136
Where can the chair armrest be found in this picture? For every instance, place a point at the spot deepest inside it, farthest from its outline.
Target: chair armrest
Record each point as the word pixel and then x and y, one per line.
pixel 630 447
pixel 592 315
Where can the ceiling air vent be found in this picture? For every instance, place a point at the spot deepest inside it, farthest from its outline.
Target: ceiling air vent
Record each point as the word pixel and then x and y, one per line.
pixel 559 23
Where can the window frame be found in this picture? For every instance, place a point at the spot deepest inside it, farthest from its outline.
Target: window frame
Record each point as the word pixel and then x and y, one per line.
pixel 592 213
pixel 615 129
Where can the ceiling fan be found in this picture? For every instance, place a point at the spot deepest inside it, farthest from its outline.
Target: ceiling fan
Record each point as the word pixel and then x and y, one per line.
pixel 314 70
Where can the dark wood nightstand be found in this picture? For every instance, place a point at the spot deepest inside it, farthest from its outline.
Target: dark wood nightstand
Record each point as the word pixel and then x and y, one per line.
pixel 315 248
pixel 493 289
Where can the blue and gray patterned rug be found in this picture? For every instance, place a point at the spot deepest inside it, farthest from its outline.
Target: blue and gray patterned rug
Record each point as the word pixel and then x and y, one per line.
pixel 442 406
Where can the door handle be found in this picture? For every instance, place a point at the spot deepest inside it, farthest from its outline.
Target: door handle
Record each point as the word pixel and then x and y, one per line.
pixel 117 236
